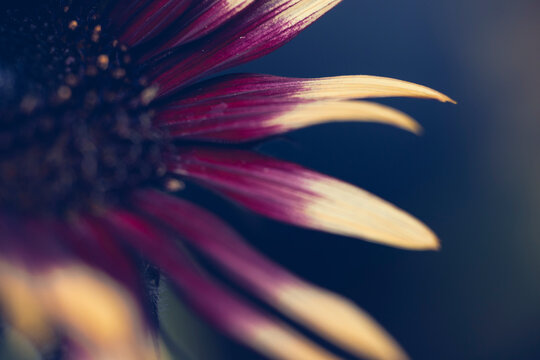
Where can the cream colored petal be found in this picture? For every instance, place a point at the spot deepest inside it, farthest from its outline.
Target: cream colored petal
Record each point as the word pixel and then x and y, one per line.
pixel 337 319
pixel 338 111
pixel 306 9
pixel 344 209
pixel 282 343
pixel 20 305
pixel 97 312
pixel 364 86
pixel 93 311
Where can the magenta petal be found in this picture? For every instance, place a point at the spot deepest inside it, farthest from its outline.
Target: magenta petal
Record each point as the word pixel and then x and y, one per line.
pixel 96 245
pixel 235 119
pixel 153 19
pixel 329 314
pixel 217 305
pixel 124 10
pixel 201 19
pixel 32 242
pixel 328 88
pixel 265 185
pixel 293 194
pixel 161 250
pixel 246 107
pixel 232 85
pixel 212 236
pixel 259 30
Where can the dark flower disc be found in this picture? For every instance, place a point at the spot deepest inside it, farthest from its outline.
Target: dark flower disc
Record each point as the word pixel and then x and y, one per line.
pixel 75 128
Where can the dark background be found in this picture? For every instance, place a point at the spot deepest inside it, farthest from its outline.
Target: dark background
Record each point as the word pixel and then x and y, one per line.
pixel 473 177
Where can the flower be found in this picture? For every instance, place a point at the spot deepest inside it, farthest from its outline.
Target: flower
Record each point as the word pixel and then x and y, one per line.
pixel 106 113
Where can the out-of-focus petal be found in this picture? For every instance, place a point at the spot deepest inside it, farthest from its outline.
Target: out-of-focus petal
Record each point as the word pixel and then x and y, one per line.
pixel 96 312
pixel 97 247
pixel 324 312
pixel 59 291
pixel 329 88
pixel 87 306
pixel 20 306
pixel 238 120
pixel 263 27
pixel 292 194
pixel 226 311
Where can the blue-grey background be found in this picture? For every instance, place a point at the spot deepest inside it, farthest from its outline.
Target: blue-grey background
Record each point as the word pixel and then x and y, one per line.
pixel 473 176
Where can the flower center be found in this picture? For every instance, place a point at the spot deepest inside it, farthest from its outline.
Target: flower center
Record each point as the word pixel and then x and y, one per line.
pixel 75 126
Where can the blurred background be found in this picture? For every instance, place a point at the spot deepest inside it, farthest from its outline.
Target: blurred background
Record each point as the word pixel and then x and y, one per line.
pixel 473 177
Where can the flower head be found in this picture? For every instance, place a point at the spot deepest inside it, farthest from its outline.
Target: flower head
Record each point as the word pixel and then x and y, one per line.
pixel 106 110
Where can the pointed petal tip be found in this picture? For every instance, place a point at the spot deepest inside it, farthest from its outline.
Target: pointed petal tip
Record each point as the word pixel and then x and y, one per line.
pixel 337 111
pixel 415 128
pixel 437 95
pixel 339 320
pixel 366 86
pixel 426 239
pixel 447 99
pixel 344 209
pixel 429 242
pixel 420 239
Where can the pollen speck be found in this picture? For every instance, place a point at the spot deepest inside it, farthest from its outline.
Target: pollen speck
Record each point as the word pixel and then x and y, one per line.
pixel 64 93
pixel 174 185
pixel 148 95
pixel 119 73
pixel 103 62
pixel 28 104
pixel 73 25
pixel 72 80
pixel 91 70
pixel 96 33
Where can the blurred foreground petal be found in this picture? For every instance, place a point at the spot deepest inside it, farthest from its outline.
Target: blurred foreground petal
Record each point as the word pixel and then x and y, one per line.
pixel 218 305
pixel 324 312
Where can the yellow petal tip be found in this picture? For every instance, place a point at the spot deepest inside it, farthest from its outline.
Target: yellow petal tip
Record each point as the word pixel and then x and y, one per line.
pixel 447 99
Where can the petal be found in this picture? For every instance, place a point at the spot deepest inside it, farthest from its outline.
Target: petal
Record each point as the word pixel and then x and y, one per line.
pixel 220 307
pixel 262 28
pixel 292 194
pixel 327 313
pixel 86 305
pixel 98 248
pixel 96 312
pixel 125 10
pixel 20 307
pixel 62 293
pixel 330 88
pixel 201 19
pixel 237 108
pixel 153 19
pixel 245 120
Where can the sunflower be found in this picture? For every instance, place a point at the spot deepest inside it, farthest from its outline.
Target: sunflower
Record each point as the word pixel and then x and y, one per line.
pixel 107 111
